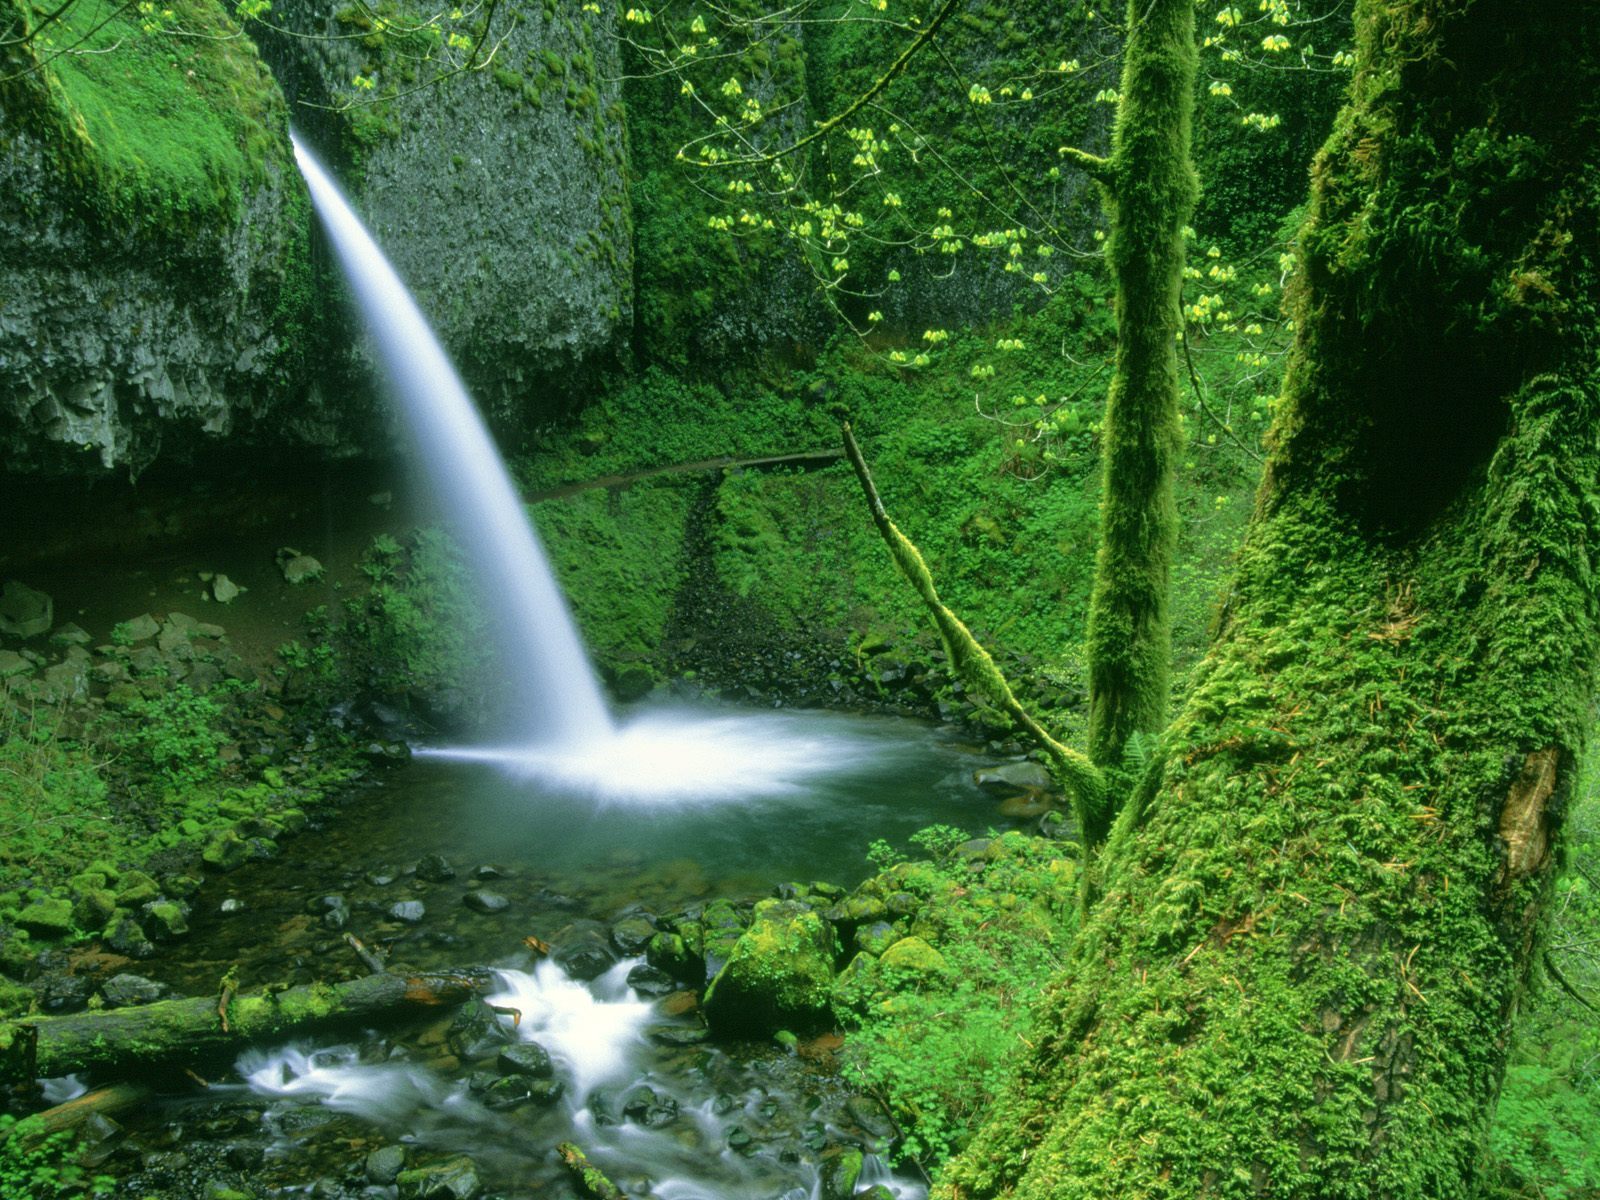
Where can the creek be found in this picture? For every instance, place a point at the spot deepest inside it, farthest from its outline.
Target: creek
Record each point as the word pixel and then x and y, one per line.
pixel 632 1077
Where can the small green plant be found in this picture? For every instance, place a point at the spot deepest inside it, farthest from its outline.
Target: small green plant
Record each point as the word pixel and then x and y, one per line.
pixel 45 1170
pixel 176 734
pixel 936 1044
pixel 882 855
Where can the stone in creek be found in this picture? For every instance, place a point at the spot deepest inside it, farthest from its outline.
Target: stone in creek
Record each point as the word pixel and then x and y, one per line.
pixel 230 906
pixel 583 950
pixel 840 1170
pixel 678 1035
pixel 740 1141
pixel 70 634
pixel 485 902
pixel 124 935
pixel 380 878
pixel 433 868
pixel 385 1164
pixel 13 664
pixel 24 612
pixel 508 1092
pixel 409 911
pixel 678 1004
pixel 649 981
pixel 1014 776
pixel 877 1191
pixel 488 872
pixel 453 1179
pixel 526 1058
pixel 476 1032
pixel 645 1106
pixel 632 934
pixel 225 590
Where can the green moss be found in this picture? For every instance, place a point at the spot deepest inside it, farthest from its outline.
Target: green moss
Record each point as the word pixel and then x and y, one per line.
pixel 166 132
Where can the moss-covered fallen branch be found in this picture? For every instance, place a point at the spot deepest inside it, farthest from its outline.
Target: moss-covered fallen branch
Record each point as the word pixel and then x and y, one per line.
pixel 1081 780
pixel 125 1040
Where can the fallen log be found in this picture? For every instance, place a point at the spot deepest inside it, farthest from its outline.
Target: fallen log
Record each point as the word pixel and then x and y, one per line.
pixel 124 1040
pixel 35 1130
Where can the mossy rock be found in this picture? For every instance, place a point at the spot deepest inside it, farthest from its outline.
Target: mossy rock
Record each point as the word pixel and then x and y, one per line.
pixel 15 1000
pixel 136 888
pixel 93 907
pixel 778 976
pixel 913 956
pixel 669 953
pixel 225 851
pixel 51 917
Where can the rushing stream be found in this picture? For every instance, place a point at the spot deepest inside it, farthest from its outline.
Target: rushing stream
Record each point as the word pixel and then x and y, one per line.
pixel 630 1075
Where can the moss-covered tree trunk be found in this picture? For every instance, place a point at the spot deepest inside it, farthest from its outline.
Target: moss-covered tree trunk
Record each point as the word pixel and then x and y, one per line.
pixel 1318 919
pixel 1150 188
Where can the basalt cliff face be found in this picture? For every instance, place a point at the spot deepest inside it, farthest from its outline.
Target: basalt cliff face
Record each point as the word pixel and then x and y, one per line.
pixel 162 286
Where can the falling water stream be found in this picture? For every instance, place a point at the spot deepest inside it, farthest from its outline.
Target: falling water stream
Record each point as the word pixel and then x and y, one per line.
pixel 562 737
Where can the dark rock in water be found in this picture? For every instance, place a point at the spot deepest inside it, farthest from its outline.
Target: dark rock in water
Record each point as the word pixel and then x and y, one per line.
pixel 669 953
pixel 643 1105
pixel 871 1116
pixel 508 1092
pixel 605 1107
pixel 526 1058
pixel 122 990
pixel 476 1032
pixel 840 1170
pixel 651 981
pixel 24 612
pixel 583 950
pixel 409 911
pixel 632 934
pixel 678 1035
pixel 488 872
pixel 740 1141
pixel 164 921
pixel 545 1091
pixel 486 902
pixel 1014 777
pixel 298 568
pixel 433 868
pixel 877 1191
pixel 453 1179
pixel 242 1156
pixel 380 878
pixel 334 910
pixel 385 1164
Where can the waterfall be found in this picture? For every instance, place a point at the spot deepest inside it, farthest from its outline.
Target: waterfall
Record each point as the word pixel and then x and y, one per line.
pixel 556 695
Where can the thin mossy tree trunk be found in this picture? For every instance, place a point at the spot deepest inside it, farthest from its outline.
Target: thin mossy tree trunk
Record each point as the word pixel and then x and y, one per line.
pixel 1319 913
pixel 1150 188
pixel 975 666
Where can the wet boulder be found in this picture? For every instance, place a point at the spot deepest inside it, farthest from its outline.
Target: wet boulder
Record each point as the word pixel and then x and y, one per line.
pixel 779 974
pixel 526 1058
pixel 476 1032
pixel 583 950
pixel 452 1179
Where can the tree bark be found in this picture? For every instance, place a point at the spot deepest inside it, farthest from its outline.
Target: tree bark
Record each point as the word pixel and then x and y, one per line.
pixel 1150 187
pixel 1320 911
pixel 124 1040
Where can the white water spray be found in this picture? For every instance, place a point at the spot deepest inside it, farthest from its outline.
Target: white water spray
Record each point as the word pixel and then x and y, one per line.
pixel 558 697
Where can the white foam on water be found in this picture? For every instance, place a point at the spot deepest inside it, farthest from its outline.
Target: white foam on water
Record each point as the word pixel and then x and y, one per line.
pixel 592 1035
